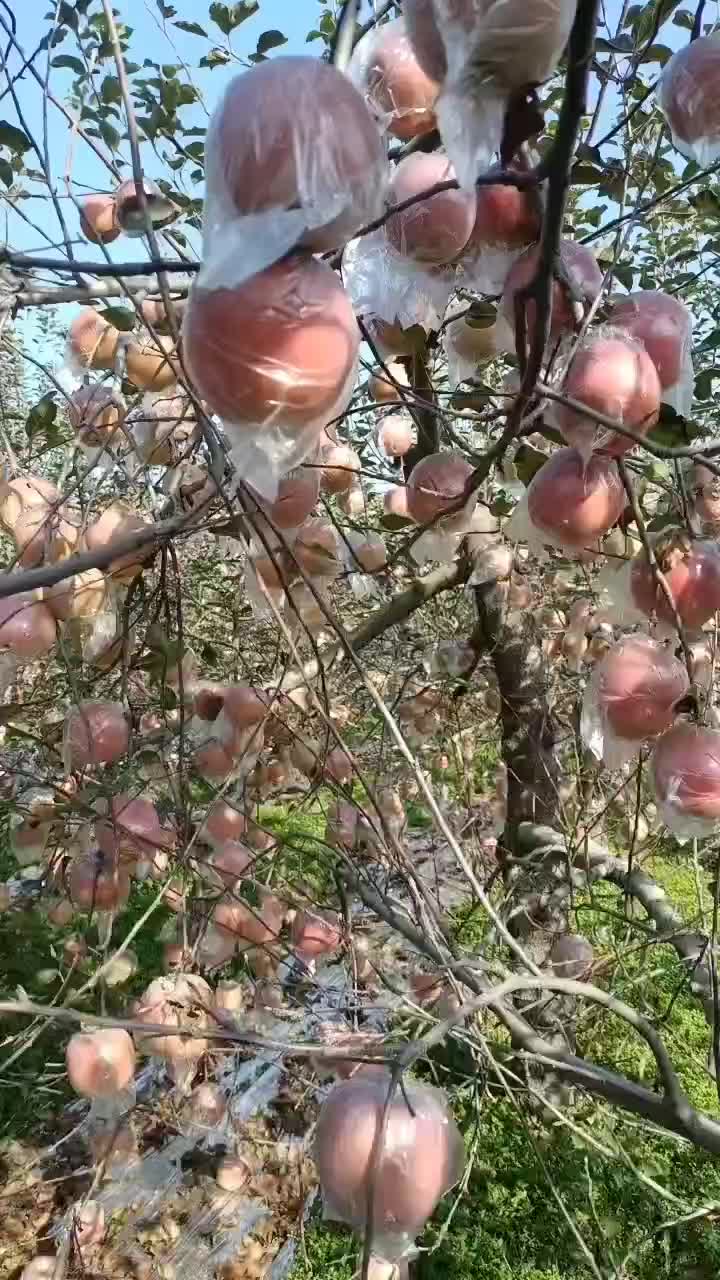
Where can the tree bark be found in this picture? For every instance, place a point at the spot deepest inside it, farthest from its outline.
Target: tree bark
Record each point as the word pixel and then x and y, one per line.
pixel 528 726
pixel 425 417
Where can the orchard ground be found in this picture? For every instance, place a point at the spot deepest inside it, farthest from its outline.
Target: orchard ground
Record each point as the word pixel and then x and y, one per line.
pixel 631 1197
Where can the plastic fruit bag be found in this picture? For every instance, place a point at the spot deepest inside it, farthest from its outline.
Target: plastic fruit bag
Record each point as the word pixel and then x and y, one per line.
pixel 276 359
pixel 692 573
pixel 484 51
pixel 507 221
pixel 422 1156
pixel 613 374
pixel 569 504
pixel 293 159
pixel 435 490
pixel 688 97
pixel 585 277
pixel 631 697
pixel 399 94
pixel 664 326
pixel 685 766
pixel 393 287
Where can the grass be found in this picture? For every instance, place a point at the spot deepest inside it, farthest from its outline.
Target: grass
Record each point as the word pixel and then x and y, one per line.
pixel 629 1205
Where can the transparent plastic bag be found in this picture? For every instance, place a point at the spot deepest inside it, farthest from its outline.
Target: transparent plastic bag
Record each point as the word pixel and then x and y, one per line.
pixel 435 487
pixel 452 658
pixel 612 373
pixel 161 428
pixel 97 414
pixel 685 766
pixel 433 221
pixel 467 345
pixel 396 435
pixel 28 839
pixel 663 324
pixel 399 94
pixel 630 697
pixel 293 158
pixel 9 665
pixel 581 269
pixel 276 360
pixel 440 543
pixel 507 221
pixel 364 556
pixel 262 594
pixel 422 1156
pixel 692 573
pixel 488 49
pixel 491 562
pixel 92 343
pixel 689 99
pixel 94 733
pixel 569 504
pixel 393 287
pixel 100 638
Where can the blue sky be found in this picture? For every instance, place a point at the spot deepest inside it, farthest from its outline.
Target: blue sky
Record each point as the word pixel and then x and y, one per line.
pixel 293 17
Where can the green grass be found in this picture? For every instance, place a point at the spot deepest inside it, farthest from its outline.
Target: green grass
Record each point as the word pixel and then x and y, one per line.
pixel 303 856
pixel 507 1225
pixel 648 976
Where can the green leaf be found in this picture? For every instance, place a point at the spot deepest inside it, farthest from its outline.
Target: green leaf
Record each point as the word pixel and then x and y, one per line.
pixel 613 182
pixel 270 40
pixel 41 417
pixel 704 383
pixel 215 58
pixel 621 44
pixel 624 273
pixel 14 138
pixel 67 15
pixel 192 28
pixel 586 175
pixel 67 60
pixel 482 315
pixel 711 342
pixel 589 155
pixel 109 135
pixel 6 172
pixel 706 202
pixel 110 90
pixel 220 14
pixel 672 430
pixel 683 18
pixel 228 17
pixel 393 522
pixel 647 22
pixel 657 53
pixel 122 318
pixel 528 462
pixel 663 520
pixel 501 505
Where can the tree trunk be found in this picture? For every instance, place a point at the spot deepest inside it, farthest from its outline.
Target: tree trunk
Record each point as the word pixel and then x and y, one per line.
pixel 528 725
